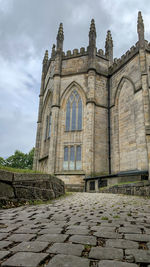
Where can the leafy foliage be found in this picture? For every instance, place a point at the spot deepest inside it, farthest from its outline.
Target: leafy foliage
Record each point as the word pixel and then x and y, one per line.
pixel 19 160
pixel 2 161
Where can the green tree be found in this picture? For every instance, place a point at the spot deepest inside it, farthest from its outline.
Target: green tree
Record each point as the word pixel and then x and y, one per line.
pixel 30 156
pixel 2 162
pixel 20 160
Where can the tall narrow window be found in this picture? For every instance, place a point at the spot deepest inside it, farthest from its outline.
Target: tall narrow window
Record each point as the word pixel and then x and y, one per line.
pixel 68 116
pixel 73 126
pixel 80 115
pixel 72 158
pixel 46 128
pixel 78 157
pixel 74 112
pixel 50 123
pixel 65 165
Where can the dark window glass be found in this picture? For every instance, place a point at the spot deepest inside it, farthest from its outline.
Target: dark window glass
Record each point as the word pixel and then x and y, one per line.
pixel 72 154
pixel 68 116
pixel 80 115
pixel 78 156
pixel 73 116
pixel 66 153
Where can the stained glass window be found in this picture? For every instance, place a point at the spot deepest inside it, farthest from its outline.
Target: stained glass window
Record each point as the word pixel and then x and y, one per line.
pixel 74 112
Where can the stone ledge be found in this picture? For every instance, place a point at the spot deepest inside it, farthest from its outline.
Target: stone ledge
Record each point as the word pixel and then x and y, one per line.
pixel 29 186
pixel 135 189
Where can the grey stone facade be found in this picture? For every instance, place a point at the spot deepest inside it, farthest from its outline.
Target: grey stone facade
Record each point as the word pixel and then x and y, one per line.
pixel 115 133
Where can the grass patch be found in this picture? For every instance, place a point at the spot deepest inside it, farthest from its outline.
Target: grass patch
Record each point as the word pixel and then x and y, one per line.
pixel 5 168
pixel 104 218
pixel 87 247
pixel 116 217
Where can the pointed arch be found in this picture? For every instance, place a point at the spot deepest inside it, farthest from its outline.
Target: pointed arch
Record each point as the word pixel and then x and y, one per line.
pixel 69 88
pixel 126 125
pixel 120 86
pixel 72 101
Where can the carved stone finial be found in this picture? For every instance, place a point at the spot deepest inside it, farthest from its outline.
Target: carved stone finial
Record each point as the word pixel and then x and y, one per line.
pixel 45 59
pixel 109 46
pixel 140 30
pixel 60 37
pixel 92 34
pixel 109 40
pixel 53 51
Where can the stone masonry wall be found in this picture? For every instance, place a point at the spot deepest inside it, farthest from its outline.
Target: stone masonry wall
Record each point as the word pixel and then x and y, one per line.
pixel 136 189
pixel 27 186
pixel 128 144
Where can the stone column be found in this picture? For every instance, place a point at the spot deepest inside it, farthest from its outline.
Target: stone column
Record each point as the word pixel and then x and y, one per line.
pixel 56 102
pixel 54 127
pixel 90 124
pixel 90 108
pixel 39 122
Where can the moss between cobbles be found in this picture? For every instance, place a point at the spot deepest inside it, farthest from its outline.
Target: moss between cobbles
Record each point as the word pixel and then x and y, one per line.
pixel 12 204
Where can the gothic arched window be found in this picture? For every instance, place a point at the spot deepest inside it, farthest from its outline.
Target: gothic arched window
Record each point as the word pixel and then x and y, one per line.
pixel 74 112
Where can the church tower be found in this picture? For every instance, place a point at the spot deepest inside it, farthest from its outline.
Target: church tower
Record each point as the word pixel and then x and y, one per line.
pixel 94 116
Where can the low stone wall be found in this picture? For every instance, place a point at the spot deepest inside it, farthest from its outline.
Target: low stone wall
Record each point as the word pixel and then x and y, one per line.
pixel 136 189
pixel 29 186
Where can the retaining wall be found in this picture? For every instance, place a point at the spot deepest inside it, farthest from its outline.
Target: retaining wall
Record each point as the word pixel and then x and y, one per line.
pixel 29 186
pixel 136 189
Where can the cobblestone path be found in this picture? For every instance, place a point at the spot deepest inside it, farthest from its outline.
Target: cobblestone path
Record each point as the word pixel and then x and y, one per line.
pixel 82 230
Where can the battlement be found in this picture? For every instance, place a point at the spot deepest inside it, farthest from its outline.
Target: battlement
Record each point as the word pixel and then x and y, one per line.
pixel 117 63
pixel 75 53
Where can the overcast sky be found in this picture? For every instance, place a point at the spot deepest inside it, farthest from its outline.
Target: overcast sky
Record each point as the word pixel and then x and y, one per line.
pixel 28 28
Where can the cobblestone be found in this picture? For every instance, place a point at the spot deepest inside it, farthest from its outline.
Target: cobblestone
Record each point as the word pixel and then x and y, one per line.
pixel 100 230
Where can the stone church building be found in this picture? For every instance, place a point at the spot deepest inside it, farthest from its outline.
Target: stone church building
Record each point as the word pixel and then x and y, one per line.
pixel 94 111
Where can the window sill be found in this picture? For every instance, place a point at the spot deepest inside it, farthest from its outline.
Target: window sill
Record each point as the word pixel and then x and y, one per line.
pixel 68 131
pixel 70 172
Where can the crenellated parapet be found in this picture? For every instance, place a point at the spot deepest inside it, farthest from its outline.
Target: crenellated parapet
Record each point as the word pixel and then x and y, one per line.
pixel 118 63
pixel 75 53
pixel 100 53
